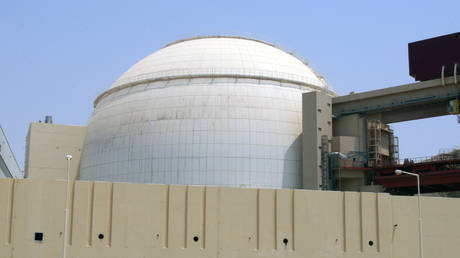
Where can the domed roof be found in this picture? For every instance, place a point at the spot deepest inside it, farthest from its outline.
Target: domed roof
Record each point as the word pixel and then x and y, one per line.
pixel 221 56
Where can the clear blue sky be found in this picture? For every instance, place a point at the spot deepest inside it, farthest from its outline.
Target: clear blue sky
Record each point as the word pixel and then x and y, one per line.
pixel 57 56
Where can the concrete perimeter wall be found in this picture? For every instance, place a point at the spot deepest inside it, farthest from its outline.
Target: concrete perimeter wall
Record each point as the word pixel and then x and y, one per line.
pixel 141 220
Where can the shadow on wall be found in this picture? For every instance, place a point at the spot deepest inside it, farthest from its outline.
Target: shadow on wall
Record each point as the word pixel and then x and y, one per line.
pixel 292 166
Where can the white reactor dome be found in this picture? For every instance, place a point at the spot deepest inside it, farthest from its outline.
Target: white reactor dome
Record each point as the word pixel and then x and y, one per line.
pixel 224 111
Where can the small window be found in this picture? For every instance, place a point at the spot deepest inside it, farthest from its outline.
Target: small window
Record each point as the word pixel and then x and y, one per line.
pixel 38 236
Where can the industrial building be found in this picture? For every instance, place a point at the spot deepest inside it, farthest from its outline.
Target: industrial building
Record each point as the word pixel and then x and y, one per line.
pixel 8 165
pixel 228 140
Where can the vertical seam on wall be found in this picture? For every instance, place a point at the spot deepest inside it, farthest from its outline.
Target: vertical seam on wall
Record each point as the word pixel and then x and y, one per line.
pixel 71 213
pixel 10 212
pixel 258 219
pixel 292 220
pixel 203 243
pixel 344 210
pixel 110 216
pixel 185 216
pixel 219 192
pixel 276 219
pixel 90 213
pixel 378 221
pixel 361 221
pixel 166 243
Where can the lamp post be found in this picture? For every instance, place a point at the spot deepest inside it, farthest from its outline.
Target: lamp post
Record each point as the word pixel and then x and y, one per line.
pixel 68 157
pixel 399 172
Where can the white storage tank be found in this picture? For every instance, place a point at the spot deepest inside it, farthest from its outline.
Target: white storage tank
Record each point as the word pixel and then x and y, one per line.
pixel 203 111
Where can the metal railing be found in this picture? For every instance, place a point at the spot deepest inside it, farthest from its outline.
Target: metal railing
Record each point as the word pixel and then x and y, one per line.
pixel 438 157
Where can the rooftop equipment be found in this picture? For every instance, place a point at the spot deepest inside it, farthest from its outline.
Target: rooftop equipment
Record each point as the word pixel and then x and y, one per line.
pixel 48 119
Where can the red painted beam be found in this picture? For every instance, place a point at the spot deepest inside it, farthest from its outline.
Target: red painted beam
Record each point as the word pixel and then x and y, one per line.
pixel 444 177
pixel 356 168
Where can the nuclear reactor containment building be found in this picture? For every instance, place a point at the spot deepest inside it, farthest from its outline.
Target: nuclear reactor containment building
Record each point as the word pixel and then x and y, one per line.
pixel 223 111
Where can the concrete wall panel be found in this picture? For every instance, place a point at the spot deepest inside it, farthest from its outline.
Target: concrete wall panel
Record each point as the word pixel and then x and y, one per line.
pixel 47 145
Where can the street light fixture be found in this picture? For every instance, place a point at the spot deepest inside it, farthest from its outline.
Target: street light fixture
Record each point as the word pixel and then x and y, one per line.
pixel 400 172
pixel 68 157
